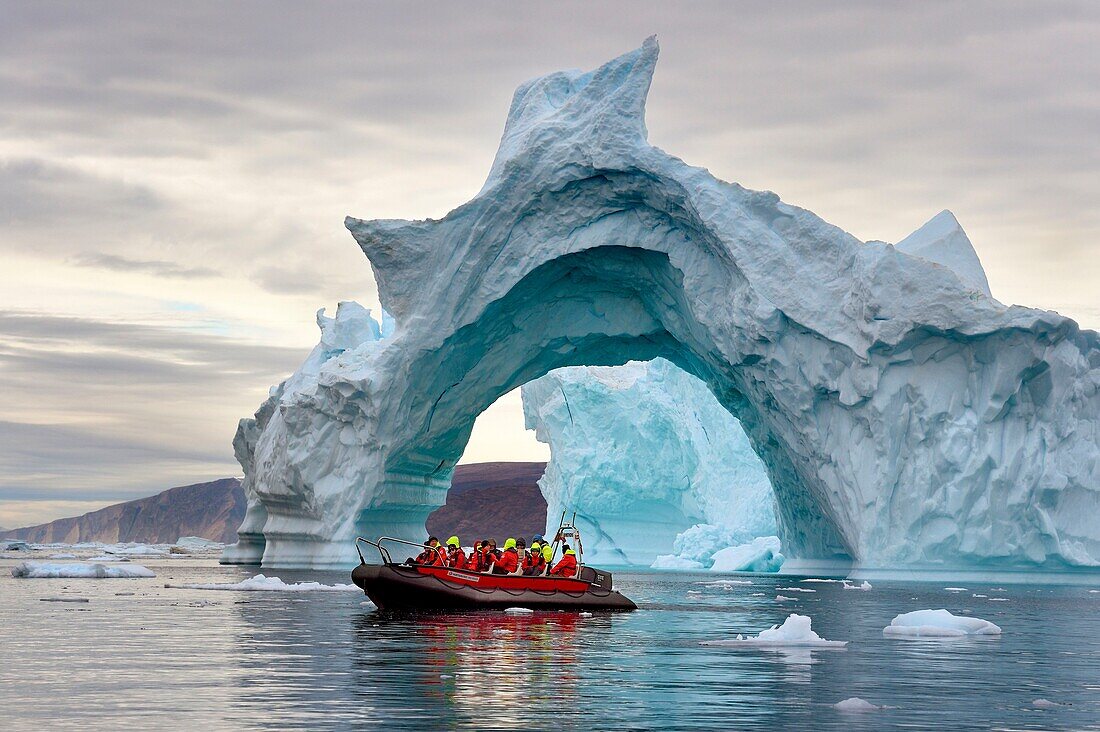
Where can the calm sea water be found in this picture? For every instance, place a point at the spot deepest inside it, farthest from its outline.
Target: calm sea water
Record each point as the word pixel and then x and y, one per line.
pixel 163 659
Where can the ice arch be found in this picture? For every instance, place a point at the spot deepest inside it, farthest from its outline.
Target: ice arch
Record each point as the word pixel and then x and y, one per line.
pixel 905 418
pixel 642 453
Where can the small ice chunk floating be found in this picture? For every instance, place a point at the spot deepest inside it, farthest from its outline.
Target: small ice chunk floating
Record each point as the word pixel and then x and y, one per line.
pixel 937 624
pixel 795 632
pixel 262 583
pixel 78 570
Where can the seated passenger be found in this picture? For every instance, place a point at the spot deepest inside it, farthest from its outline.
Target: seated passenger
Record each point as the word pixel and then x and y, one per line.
pixel 533 563
pixel 432 556
pixel 508 561
pixel 455 556
pixel 473 562
pixel 567 565
pixel 547 556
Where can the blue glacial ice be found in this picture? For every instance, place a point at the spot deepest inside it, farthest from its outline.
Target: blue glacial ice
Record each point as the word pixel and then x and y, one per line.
pixel 906 418
pixel 644 453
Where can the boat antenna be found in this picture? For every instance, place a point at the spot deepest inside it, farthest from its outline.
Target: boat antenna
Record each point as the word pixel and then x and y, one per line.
pixel 557 537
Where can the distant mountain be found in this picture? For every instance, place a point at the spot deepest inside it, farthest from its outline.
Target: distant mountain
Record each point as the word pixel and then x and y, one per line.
pixel 212 510
pixel 492 501
pixel 489 500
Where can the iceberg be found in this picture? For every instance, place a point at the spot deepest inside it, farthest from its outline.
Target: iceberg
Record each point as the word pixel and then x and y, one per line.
pixel 794 632
pixel 644 452
pixel 45 570
pixel 260 583
pixel 937 624
pixel 905 418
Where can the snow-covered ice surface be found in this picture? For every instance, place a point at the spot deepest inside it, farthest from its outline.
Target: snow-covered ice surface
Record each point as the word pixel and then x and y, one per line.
pixel 261 583
pixel 79 570
pixel 643 453
pixel 587 245
pixel 518 610
pixel 794 632
pixel 937 624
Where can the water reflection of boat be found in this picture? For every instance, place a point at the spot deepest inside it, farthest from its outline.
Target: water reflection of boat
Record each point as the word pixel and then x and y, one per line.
pixel 391 585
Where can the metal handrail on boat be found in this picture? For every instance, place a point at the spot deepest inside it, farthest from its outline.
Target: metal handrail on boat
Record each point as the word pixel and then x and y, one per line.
pixel 382 551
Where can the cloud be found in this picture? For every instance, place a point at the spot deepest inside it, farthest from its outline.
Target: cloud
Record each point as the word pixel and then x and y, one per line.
pixel 111 410
pixel 156 267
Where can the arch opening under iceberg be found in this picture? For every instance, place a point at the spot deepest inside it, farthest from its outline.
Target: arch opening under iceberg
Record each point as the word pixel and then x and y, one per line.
pixel 602 306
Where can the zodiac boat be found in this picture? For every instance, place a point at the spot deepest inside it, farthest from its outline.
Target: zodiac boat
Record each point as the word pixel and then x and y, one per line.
pixel 395 586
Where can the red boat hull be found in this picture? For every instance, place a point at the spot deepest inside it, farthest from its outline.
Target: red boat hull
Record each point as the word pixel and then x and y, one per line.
pixel 399 586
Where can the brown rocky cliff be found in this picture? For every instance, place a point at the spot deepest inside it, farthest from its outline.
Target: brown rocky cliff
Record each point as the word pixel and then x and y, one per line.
pixel 211 510
pixel 486 500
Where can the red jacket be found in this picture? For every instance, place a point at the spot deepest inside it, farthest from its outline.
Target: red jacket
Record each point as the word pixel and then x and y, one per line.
pixel 457 559
pixel 507 562
pixel 431 557
pixel 566 566
pixel 533 562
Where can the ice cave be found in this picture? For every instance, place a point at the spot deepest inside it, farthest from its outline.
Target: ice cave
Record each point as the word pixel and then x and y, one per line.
pixel 905 418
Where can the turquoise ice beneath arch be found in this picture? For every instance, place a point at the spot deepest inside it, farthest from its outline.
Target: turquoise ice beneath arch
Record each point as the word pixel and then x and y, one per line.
pixel 906 418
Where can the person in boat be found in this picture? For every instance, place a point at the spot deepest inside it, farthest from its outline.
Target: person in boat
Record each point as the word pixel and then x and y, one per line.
pixel 547 553
pixel 432 556
pixel 473 561
pixel 456 558
pixel 521 552
pixel 508 561
pixel 567 565
pixel 533 563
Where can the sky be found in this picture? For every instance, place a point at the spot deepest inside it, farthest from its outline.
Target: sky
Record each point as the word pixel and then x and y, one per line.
pixel 174 179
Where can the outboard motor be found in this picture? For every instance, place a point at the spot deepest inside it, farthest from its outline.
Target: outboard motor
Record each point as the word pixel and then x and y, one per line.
pixel 597 577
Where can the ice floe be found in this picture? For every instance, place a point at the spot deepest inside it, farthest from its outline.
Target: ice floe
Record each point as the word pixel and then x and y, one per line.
pixel 62 556
pixel 865 586
pixel 794 632
pixel 855 704
pixel 1045 704
pixel 937 624
pixel 674 561
pixel 760 555
pixel 261 583
pixel 794 589
pixel 725 583
pixel 46 570
pixel 198 544
pixel 518 610
pixel 784 598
